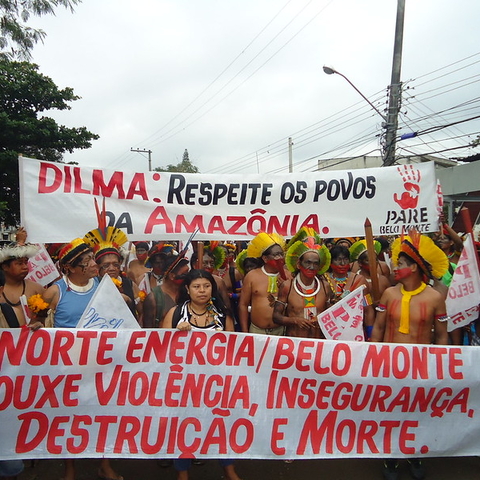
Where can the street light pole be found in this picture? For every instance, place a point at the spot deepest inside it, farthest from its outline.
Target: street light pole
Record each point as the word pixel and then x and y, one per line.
pixel 139 150
pixel 395 90
pixel 331 71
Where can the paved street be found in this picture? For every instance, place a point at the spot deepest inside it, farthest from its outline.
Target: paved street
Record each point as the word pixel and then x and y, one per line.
pixel 458 468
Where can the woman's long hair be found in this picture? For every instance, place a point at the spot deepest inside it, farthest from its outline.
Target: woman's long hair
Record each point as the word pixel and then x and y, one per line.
pixel 194 275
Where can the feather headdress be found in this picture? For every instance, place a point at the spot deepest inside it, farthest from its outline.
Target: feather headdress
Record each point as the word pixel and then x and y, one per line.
pixel 14 250
pixel 422 250
pixel 307 240
pixel 104 240
pixel 216 252
pixel 72 250
pixel 360 247
pixel 263 241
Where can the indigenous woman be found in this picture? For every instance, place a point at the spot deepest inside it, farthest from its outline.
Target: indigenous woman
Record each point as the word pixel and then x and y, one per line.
pixel 339 278
pixel 342 282
pixel 200 308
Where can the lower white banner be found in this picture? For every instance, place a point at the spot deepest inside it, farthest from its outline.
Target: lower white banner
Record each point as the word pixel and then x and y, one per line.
pixel 166 394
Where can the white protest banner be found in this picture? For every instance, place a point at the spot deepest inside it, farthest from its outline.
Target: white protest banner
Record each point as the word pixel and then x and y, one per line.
pixel 464 292
pixel 41 267
pixel 164 393
pixel 171 206
pixel 107 309
pixel 344 320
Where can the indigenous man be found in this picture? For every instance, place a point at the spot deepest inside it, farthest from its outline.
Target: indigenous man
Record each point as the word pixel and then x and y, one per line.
pixel 303 297
pixel 359 254
pixel 409 311
pixel 68 299
pixel 106 243
pixel 260 287
pixel 14 264
pixel 157 263
pixel 163 297
pixel 136 268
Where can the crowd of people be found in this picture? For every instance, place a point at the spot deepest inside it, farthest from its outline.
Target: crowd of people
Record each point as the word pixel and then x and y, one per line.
pixel 269 287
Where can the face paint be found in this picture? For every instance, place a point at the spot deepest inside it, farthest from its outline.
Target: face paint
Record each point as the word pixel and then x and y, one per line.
pixel 142 257
pixel 340 269
pixel 308 272
pixel 400 273
pixel 178 279
pixel 278 265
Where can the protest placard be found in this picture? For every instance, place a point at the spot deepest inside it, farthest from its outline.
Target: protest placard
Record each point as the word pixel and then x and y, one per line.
pixel 463 297
pixel 107 309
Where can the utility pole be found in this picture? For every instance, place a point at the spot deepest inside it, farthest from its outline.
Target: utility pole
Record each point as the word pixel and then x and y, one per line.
pixel 139 150
pixel 394 99
pixel 290 155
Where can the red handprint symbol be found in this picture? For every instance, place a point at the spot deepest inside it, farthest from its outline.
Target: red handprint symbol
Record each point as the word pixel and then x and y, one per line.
pixel 411 179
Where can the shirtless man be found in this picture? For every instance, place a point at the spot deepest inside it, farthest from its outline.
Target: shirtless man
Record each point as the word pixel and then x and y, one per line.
pixel 14 263
pixel 136 268
pixel 415 258
pixel 260 286
pixel 359 255
pixel 302 298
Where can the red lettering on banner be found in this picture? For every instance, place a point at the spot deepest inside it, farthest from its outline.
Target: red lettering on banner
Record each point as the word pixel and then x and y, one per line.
pixel 54 432
pixel 36 436
pixel 104 422
pixel 182 225
pixel 402 362
pixel 159 436
pixel 77 431
pixel 216 435
pixel 238 223
pixel 277 436
pixel 287 354
pixel 159 216
pixel 42 178
pixel 128 427
pixel 349 436
pixel 104 347
pixel 405 436
pixel 216 225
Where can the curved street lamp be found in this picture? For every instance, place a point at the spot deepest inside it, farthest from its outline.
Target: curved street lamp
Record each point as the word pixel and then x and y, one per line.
pixel 331 71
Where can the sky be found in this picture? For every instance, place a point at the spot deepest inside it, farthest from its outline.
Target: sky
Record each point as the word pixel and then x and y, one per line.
pixel 231 81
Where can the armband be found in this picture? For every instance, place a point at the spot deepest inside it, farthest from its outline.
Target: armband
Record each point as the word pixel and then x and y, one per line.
pixel 367 300
pixel 381 308
pixel 442 318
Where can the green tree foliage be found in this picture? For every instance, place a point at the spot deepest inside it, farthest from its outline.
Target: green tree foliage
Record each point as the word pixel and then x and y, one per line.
pixel 24 95
pixel 17 39
pixel 185 166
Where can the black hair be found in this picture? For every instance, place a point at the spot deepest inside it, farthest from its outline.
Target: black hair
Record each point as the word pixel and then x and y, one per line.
pixel 194 258
pixel 254 262
pixel 77 261
pixel 338 250
pixel 194 275
pixel 2 278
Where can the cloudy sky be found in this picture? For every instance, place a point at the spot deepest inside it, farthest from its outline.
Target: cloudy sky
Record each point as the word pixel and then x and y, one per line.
pixel 231 81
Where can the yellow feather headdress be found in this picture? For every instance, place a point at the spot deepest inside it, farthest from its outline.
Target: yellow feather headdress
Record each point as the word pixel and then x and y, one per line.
pixel 422 250
pixel 104 240
pixel 263 241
